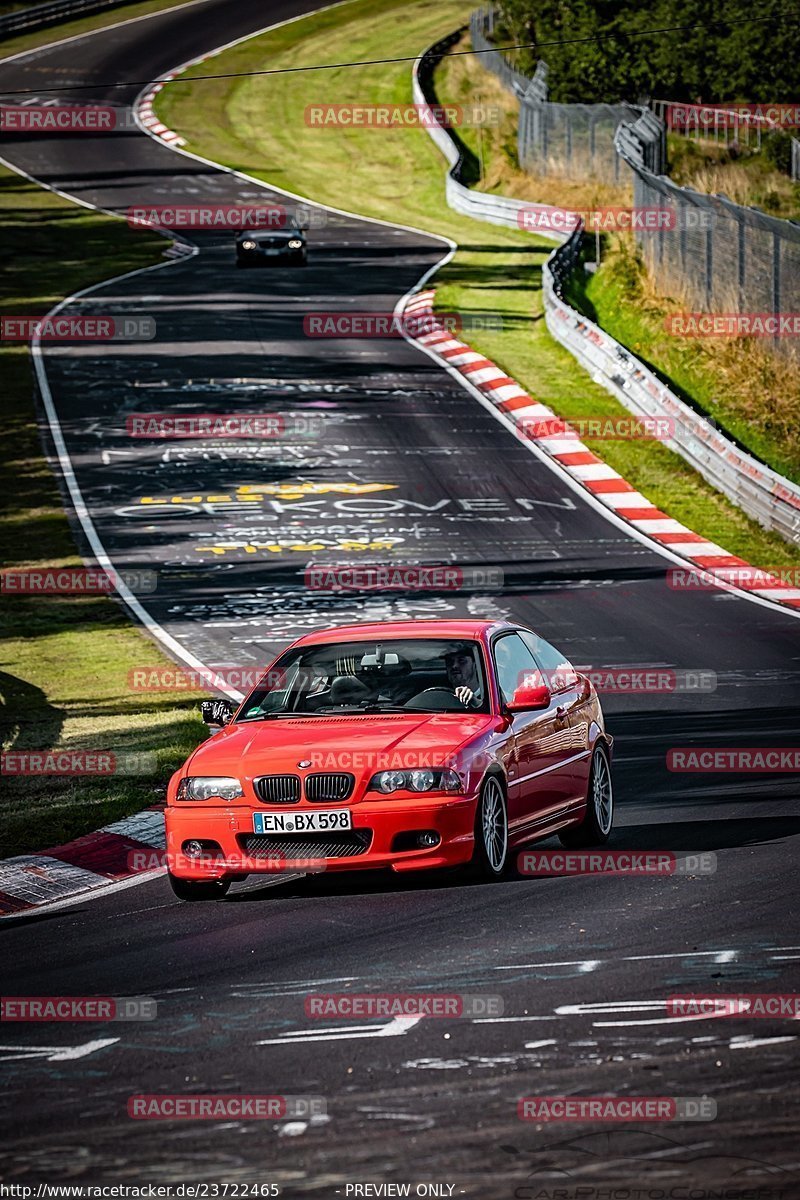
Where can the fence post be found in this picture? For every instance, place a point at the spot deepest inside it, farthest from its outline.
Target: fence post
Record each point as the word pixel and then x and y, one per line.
pixel 681 213
pixel 709 265
pixel 776 280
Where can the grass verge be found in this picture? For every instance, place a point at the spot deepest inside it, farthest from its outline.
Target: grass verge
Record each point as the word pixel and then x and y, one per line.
pixel 64 661
pixel 462 80
pixel 258 125
pixel 750 391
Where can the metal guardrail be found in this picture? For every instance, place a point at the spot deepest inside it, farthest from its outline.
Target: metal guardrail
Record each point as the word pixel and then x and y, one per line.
pixel 42 15
pixel 759 491
pixel 497 210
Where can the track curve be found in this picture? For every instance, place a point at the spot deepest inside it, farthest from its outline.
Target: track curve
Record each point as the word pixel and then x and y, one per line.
pixel 460 488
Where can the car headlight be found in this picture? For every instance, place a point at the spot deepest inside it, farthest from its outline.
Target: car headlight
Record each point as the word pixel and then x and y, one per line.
pixel 419 779
pixel 248 245
pixel 209 787
pixel 295 244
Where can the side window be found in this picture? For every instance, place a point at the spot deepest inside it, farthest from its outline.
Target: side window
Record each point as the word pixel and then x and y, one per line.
pixel 514 664
pixel 559 674
pixel 275 688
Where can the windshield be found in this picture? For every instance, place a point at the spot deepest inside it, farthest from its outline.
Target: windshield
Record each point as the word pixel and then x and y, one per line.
pixel 400 675
pixel 288 225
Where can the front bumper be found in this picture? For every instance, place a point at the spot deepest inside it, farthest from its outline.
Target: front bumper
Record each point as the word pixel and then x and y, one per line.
pixel 259 258
pixel 378 824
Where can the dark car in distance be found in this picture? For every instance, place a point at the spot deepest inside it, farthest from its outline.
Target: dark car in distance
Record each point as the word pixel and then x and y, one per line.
pixel 272 247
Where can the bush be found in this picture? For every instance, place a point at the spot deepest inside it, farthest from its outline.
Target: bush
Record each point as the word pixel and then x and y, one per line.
pixel 777 150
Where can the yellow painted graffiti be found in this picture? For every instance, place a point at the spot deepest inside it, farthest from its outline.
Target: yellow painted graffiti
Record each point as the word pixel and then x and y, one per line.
pixel 288 491
pixel 221 548
pixel 255 493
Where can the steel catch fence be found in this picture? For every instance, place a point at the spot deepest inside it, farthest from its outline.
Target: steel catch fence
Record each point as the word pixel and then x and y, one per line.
pixel 722 125
pixel 761 492
pixel 711 254
pixel 716 256
pixel 553 139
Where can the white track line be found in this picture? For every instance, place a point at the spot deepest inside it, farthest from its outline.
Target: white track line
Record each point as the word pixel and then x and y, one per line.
pixel 79 504
pixel 80 507
pixel 81 510
pixel 553 465
pixel 169 77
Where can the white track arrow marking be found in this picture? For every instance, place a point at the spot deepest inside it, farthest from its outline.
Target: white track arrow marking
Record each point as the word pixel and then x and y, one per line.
pixel 395 1028
pixel 57 1053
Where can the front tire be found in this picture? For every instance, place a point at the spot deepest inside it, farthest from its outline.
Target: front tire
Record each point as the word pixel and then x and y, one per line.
pixel 490 857
pixel 190 889
pixel 595 828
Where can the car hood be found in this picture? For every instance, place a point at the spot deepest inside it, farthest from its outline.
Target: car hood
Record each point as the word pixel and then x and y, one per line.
pixel 279 234
pixel 360 745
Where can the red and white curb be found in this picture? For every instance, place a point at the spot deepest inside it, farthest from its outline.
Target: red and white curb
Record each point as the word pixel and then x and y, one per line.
pixel 133 846
pixel 148 118
pixel 715 565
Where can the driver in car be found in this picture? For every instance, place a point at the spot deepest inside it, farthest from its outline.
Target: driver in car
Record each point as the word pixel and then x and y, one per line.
pixel 462 675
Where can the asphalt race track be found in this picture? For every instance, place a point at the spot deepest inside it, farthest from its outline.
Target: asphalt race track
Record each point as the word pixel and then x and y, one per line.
pixel 580 963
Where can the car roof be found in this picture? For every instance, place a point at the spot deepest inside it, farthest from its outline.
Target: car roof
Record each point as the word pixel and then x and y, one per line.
pixel 449 628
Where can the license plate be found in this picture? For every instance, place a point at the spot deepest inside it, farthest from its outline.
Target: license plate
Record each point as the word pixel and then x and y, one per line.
pixel 302 822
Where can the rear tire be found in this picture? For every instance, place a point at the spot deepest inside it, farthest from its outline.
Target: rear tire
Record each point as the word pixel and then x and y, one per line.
pixel 595 828
pixel 490 857
pixel 190 889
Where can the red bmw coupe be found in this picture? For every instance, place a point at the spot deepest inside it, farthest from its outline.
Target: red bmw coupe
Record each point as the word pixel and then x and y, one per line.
pixel 410 745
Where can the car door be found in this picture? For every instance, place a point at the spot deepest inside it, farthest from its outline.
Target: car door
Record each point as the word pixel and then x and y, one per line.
pixel 539 775
pixel 572 695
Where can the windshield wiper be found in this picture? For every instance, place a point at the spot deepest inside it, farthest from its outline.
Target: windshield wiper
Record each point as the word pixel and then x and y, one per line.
pixel 403 708
pixel 379 708
pixel 327 709
pixel 370 710
pixel 265 717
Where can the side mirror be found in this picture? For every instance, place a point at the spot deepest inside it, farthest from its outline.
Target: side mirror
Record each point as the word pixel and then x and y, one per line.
pixel 528 697
pixel 217 712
